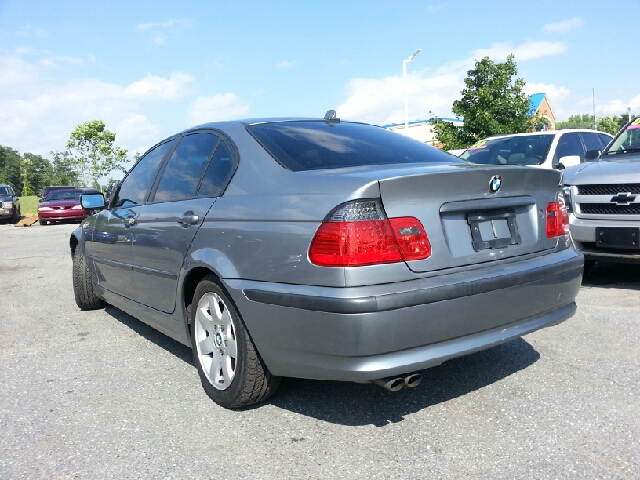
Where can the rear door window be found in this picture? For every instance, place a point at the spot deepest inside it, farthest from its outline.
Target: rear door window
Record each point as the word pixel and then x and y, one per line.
pixel 315 145
pixel 182 173
pixel 605 139
pixel 570 144
pixel 591 141
pixel 218 172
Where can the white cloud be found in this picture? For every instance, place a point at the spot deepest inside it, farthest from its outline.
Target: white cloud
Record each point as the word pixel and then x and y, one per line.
pixel 16 73
pixel 170 23
pixel 54 62
pixel 152 86
pixel 618 107
pixel 286 64
pixel 223 106
pixel 564 26
pixel 31 31
pixel 138 132
pixel 381 101
pixel 433 8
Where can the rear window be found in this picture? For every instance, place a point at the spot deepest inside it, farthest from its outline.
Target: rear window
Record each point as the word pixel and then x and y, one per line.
pixel 521 150
pixel 316 145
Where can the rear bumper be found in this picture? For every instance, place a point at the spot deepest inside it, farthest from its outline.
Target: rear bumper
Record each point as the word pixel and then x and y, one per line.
pixel 363 333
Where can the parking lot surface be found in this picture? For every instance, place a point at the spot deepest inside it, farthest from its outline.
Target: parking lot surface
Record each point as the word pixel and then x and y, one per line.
pixel 101 395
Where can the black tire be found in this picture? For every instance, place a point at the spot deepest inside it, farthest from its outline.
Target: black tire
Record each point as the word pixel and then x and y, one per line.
pixel 16 216
pixel 588 265
pixel 251 381
pixel 86 298
pixel 42 222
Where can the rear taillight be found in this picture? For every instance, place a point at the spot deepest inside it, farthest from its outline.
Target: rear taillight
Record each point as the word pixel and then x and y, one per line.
pixel 359 233
pixel 557 220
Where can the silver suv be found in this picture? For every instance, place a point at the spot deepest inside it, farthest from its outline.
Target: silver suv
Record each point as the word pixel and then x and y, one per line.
pixel 603 199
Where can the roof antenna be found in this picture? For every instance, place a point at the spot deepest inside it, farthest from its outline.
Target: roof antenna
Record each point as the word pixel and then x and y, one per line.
pixel 330 116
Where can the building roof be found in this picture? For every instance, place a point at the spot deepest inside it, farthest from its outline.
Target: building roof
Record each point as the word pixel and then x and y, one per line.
pixel 536 100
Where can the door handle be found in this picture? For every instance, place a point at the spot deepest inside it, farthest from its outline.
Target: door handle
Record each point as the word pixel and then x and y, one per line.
pixel 130 222
pixel 188 218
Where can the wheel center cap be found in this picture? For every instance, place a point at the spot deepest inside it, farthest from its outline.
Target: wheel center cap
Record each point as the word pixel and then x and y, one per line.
pixel 218 340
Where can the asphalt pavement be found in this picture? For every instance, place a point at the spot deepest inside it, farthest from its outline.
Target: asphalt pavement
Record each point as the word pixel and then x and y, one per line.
pixel 101 395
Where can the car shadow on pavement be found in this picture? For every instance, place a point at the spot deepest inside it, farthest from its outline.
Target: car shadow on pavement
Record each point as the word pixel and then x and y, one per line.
pixel 613 275
pixel 163 341
pixel 353 404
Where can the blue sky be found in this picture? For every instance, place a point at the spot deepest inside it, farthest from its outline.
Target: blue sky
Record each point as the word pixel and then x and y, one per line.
pixel 150 69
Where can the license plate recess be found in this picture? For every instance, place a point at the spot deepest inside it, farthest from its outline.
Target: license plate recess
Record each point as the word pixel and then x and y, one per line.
pixel 493 229
pixel 618 237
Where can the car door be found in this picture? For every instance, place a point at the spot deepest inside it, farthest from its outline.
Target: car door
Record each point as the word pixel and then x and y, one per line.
pixel 188 185
pixel 109 244
pixel 569 145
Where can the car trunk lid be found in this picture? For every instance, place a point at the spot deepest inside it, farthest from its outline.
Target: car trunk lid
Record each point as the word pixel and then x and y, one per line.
pixel 474 214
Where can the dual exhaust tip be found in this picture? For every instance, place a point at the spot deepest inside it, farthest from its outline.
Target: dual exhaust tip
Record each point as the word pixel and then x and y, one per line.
pixel 393 384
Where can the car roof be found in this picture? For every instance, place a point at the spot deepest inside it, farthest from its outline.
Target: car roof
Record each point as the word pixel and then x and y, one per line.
pixel 547 132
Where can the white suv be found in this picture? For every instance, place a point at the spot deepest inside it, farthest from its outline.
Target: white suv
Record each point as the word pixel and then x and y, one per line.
pixel 549 149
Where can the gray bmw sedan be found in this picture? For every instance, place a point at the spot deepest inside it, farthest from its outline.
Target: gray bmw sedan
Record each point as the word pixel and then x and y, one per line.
pixel 325 249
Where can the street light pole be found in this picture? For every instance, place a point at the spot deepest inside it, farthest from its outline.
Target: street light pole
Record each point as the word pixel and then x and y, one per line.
pixel 406 100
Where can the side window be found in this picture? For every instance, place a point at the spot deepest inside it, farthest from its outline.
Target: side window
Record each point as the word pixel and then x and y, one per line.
pixel 570 144
pixel 183 171
pixel 135 187
pixel 218 172
pixel 605 139
pixel 591 141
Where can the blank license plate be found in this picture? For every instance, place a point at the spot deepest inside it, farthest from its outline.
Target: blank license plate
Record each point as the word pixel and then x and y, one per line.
pixel 618 237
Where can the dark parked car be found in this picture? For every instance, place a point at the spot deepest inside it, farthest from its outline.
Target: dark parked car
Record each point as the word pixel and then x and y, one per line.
pixel 47 190
pixel 603 196
pixel 9 204
pixel 63 206
pixel 325 249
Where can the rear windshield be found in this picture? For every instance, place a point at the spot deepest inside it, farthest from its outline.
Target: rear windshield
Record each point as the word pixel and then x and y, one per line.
pixel 316 145
pixel 63 195
pixel 521 150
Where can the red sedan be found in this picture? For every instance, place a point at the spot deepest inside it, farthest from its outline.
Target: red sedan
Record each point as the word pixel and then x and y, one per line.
pixel 61 205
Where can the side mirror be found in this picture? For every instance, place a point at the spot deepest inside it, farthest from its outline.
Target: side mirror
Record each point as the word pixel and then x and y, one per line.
pixel 570 160
pixel 92 201
pixel 591 155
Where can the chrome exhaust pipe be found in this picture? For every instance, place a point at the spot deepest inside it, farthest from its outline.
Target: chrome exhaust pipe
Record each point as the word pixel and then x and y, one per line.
pixel 412 380
pixel 393 384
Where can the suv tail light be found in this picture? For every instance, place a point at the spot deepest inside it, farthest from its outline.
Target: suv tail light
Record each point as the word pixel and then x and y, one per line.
pixel 359 233
pixel 557 220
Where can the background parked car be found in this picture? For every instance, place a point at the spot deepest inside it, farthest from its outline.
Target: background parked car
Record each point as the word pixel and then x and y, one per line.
pixel 603 198
pixel 47 190
pixel 9 204
pixel 62 205
pixel 550 149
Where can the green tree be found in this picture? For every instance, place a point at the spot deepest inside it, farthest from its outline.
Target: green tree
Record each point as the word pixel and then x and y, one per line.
pixel 36 171
pixel 492 103
pixel 609 125
pixel 93 153
pixel 63 171
pixel 577 121
pixel 10 162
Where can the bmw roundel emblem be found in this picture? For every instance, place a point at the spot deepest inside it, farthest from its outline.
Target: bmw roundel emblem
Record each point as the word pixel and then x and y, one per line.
pixel 494 183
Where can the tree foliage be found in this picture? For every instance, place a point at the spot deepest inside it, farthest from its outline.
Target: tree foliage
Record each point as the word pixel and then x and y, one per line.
pixel 492 103
pixel 610 125
pixel 10 163
pixel 92 151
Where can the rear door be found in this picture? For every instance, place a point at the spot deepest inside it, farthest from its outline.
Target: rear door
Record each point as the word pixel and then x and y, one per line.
pixel 192 178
